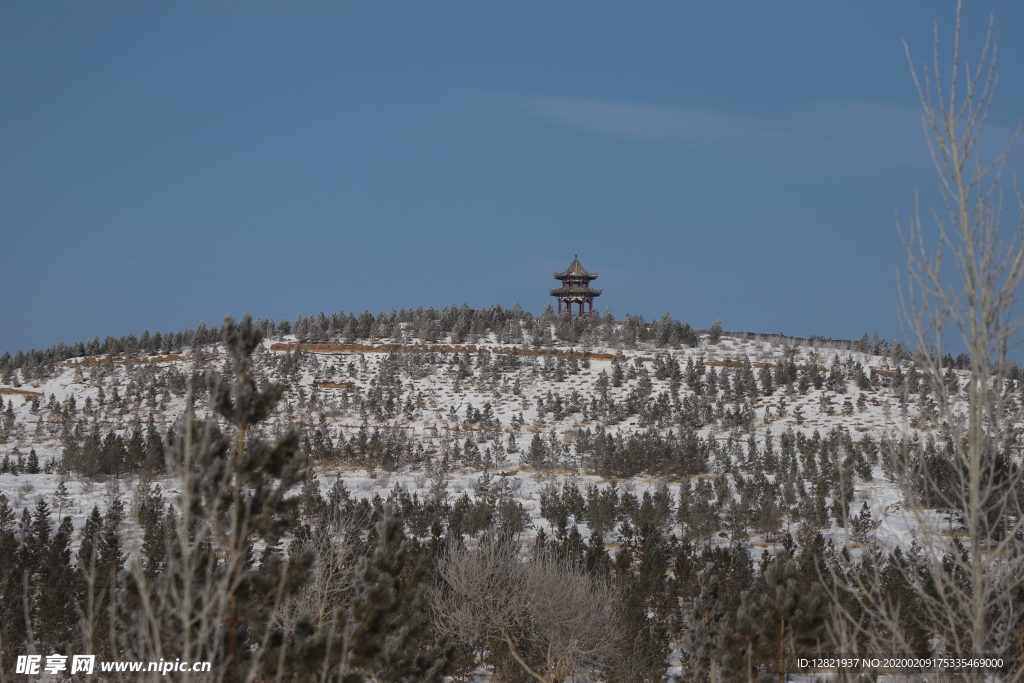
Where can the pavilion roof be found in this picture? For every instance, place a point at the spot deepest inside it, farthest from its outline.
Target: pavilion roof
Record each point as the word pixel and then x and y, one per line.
pixel 576 269
pixel 575 290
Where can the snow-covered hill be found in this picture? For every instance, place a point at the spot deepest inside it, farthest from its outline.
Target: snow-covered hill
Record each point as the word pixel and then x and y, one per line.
pixel 434 417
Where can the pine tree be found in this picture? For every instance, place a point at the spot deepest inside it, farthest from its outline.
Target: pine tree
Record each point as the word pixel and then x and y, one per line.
pixel 783 620
pixel 154 448
pixel 704 519
pixel 862 524
pixel 537 456
pixel 715 333
pixel 598 561
pixel 90 535
pixel 211 602
pixel 151 519
pixel 767 383
pixel 387 634
pixel 32 464
pixel 683 509
pixel 705 628
pixel 55 623
pixel 13 629
pixel 101 558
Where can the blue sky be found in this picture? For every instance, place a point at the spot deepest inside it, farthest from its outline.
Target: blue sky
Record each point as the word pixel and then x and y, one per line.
pixel 163 164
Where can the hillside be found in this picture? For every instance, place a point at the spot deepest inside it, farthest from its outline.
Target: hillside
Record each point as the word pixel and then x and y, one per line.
pixel 664 476
pixel 382 412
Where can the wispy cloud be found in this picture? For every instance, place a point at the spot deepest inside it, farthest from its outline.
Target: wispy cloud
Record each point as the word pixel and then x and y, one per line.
pixel 836 131
pixel 651 122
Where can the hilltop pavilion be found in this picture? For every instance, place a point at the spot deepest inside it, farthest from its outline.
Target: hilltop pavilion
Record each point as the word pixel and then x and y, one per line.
pixel 576 289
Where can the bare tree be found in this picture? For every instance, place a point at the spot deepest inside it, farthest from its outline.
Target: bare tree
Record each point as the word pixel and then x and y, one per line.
pixel 333 581
pixel 555 619
pixel 962 594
